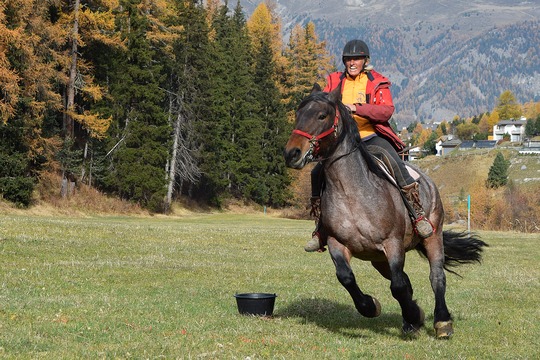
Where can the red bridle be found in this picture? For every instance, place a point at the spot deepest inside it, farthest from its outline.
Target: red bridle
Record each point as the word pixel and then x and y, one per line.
pixel 314 139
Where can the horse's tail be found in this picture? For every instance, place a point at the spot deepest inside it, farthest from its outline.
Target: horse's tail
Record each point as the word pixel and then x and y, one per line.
pixel 459 248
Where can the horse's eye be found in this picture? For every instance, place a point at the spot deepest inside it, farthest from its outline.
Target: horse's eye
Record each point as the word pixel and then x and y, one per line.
pixel 322 116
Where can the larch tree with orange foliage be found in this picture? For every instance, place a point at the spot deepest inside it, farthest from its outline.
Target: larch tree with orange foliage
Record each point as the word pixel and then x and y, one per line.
pixel 308 63
pixel 265 23
pixel 30 69
pixel 83 23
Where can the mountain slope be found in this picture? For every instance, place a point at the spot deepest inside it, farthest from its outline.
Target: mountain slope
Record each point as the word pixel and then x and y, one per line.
pixel 444 58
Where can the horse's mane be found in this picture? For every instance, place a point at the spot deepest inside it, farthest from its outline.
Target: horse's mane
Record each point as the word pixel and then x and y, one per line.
pixel 350 129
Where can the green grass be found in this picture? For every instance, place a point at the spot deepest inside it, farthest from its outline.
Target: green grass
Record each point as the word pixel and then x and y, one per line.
pixel 107 287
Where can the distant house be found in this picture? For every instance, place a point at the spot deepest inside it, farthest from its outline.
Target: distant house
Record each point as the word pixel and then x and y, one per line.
pixel 514 128
pixel 445 144
pixel 415 153
pixel 412 153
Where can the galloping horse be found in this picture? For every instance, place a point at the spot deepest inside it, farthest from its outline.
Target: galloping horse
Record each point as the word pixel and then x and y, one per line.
pixel 364 216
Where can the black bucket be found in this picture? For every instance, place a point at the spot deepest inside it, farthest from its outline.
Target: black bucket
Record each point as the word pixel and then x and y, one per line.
pixel 260 304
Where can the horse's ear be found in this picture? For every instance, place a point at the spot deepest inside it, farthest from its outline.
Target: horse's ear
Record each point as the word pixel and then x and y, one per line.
pixel 335 95
pixel 316 88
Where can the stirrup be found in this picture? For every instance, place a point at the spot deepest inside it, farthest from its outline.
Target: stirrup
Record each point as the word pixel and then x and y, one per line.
pixel 314 244
pixel 423 227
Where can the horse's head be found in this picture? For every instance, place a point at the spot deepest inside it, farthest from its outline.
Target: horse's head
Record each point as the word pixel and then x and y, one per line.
pixel 316 128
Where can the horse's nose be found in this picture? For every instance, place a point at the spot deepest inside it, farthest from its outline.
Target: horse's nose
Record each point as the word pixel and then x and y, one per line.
pixel 292 156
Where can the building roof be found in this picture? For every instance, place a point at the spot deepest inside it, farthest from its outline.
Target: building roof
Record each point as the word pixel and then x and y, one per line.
pixel 466 144
pixel 512 122
pixel 485 144
pixel 451 143
pixel 478 144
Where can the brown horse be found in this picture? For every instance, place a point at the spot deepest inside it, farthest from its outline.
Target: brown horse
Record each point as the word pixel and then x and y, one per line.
pixel 364 216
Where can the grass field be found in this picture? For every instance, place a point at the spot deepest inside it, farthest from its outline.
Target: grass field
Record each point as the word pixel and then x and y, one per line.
pixel 122 288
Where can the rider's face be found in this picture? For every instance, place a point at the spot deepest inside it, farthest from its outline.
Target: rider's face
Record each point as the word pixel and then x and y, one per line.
pixel 355 64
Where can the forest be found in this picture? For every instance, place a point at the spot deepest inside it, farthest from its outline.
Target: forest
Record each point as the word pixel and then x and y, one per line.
pixel 148 100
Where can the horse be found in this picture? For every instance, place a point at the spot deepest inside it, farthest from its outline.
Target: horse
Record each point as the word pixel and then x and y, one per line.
pixel 363 214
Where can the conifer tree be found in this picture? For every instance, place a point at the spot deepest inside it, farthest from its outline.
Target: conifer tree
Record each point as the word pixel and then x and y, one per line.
pixel 140 135
pixel 532 127
pixel 498 172
pixel 30 68
pixel 308 63
pixel 265 22
pixel 231 114
pixel 188 87
pixel 84 24
pixel 88 24
pixel 15 183
pixel 270 181
pixel 9 79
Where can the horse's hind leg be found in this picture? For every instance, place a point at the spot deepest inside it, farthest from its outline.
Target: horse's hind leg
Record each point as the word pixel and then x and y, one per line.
pixel 400 285
pixel 366 305
pixel 442 318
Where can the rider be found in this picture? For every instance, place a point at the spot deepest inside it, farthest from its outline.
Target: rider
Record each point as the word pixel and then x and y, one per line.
pixel 367 95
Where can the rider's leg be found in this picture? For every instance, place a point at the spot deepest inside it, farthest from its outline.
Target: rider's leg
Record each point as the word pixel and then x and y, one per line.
pixel 377 145
pixel 317 178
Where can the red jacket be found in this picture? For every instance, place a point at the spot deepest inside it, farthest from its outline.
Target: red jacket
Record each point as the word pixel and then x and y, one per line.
pixel 378 108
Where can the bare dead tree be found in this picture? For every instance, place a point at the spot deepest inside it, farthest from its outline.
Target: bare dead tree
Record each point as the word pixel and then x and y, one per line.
pixel 183 165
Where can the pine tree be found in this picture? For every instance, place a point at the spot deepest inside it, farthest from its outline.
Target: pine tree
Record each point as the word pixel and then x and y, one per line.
pixel 532 127
pixel 498 172
pixel 15 184
pixel 188 88
pixel 270 181
pixel 231 114
pixel 140 134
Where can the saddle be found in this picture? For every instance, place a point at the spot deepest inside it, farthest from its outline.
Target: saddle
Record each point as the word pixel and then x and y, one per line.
pixel 386 168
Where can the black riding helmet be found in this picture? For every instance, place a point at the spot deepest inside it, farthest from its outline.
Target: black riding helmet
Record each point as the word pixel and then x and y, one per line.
pixel 355 48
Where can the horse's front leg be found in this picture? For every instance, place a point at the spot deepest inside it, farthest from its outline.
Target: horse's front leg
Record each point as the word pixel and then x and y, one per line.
pixel 366 305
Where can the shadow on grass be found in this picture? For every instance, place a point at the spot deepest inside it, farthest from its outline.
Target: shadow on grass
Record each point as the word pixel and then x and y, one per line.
pixel 339 318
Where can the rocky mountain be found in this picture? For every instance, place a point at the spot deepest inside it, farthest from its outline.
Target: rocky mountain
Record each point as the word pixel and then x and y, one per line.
pixel 444 58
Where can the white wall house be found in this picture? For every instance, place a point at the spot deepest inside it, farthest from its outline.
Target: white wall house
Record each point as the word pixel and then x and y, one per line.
pixel 514 128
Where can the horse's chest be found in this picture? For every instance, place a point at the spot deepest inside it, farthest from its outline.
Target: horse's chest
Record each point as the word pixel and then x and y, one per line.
pixel 360 236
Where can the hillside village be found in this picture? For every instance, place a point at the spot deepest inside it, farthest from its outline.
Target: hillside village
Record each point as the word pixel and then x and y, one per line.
pixel 511 130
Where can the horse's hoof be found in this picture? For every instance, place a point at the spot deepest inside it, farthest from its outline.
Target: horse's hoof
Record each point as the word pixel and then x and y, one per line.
pixel 377 307
pixel 412 329
pixel 444 329
pixel 368 311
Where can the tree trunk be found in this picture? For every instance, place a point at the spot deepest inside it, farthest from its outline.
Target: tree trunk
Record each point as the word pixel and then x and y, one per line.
pixel 70 94
pixel 174 152
pixel 67 181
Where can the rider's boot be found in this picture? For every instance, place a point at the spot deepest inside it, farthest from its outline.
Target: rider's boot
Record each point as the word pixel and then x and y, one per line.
pixel 423 227
pixel 314 243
